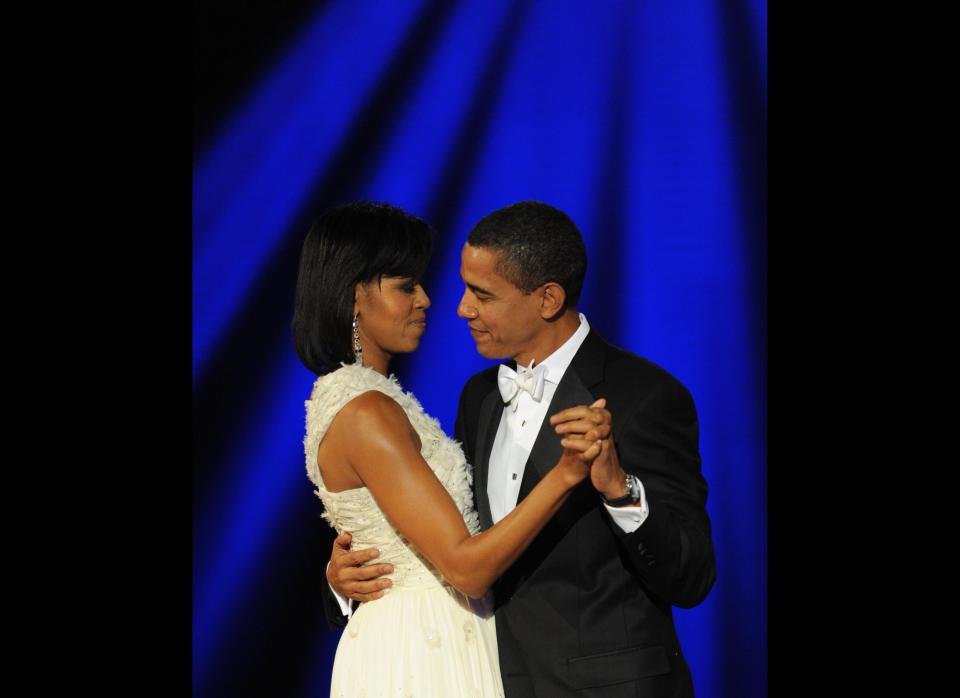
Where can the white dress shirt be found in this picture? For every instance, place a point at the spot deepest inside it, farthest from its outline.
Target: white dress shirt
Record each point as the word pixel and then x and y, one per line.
pixel 518 431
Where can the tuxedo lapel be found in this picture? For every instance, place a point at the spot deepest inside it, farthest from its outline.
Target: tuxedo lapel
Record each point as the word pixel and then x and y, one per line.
pixel 585 371
pixel 546 449
pixel 491 410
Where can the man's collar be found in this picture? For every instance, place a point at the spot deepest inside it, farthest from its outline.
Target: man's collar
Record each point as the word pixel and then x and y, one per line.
pixel 559 361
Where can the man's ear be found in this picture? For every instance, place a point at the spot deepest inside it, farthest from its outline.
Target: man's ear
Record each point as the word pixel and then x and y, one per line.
pixel 552 300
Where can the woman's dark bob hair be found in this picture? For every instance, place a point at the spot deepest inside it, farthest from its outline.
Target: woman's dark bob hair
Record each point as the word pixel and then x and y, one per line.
pixel 350 244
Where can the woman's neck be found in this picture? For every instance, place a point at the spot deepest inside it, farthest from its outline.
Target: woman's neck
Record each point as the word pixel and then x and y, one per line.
pixel 379 360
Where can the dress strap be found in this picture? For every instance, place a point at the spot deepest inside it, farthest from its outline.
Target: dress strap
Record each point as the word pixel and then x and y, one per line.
pixel 330 393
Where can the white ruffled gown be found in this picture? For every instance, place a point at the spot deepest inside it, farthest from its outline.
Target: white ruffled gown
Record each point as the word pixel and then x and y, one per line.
pixel 423 638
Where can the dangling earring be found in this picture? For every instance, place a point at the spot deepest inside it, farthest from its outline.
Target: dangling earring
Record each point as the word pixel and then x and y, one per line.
pixel 357 349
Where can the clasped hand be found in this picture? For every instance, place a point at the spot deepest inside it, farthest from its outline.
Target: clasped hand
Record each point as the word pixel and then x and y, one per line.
pixel 583 430
pixel 589 429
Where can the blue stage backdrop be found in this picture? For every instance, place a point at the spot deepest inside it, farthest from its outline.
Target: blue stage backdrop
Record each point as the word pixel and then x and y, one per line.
pixel 645 121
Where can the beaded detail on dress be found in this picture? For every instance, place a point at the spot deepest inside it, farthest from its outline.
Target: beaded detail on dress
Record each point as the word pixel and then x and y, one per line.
pixel 356 510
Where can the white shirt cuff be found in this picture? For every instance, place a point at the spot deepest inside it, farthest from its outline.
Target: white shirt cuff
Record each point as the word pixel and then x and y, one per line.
pixel 345 606
pixel 630 518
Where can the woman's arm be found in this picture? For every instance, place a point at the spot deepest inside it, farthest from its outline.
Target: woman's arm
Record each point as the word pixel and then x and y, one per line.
pixel 388 462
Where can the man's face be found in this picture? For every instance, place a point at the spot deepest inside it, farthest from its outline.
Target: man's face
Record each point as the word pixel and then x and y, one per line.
pixel 503 321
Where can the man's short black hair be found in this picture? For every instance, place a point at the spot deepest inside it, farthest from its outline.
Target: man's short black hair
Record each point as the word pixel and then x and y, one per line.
pixel 350 244
pixel 538 243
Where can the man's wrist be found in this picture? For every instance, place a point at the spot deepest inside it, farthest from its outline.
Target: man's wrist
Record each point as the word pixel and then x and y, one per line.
pixel 627 493
pixel 617 487
pixel 615 492
pixel 344 602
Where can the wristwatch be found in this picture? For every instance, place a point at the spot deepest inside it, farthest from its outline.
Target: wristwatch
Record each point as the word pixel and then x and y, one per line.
pixel 632 495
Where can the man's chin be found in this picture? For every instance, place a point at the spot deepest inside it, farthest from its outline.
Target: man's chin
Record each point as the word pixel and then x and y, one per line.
pixel 489 351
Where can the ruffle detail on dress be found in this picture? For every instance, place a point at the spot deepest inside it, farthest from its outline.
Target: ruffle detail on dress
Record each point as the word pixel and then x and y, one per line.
pixel 356 510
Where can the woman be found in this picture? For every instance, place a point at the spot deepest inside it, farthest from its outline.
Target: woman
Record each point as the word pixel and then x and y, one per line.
pixel 388 474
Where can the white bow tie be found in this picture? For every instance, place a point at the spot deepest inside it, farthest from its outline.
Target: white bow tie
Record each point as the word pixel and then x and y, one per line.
pixel 527 378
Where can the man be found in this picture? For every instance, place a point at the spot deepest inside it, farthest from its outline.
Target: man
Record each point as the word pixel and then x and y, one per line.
pixel 586 610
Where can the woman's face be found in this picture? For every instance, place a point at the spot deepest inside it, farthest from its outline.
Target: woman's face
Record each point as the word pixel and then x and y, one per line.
pixel 392 315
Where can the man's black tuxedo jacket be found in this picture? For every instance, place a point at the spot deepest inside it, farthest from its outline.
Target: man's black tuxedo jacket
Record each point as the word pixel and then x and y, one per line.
pixel 586 610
